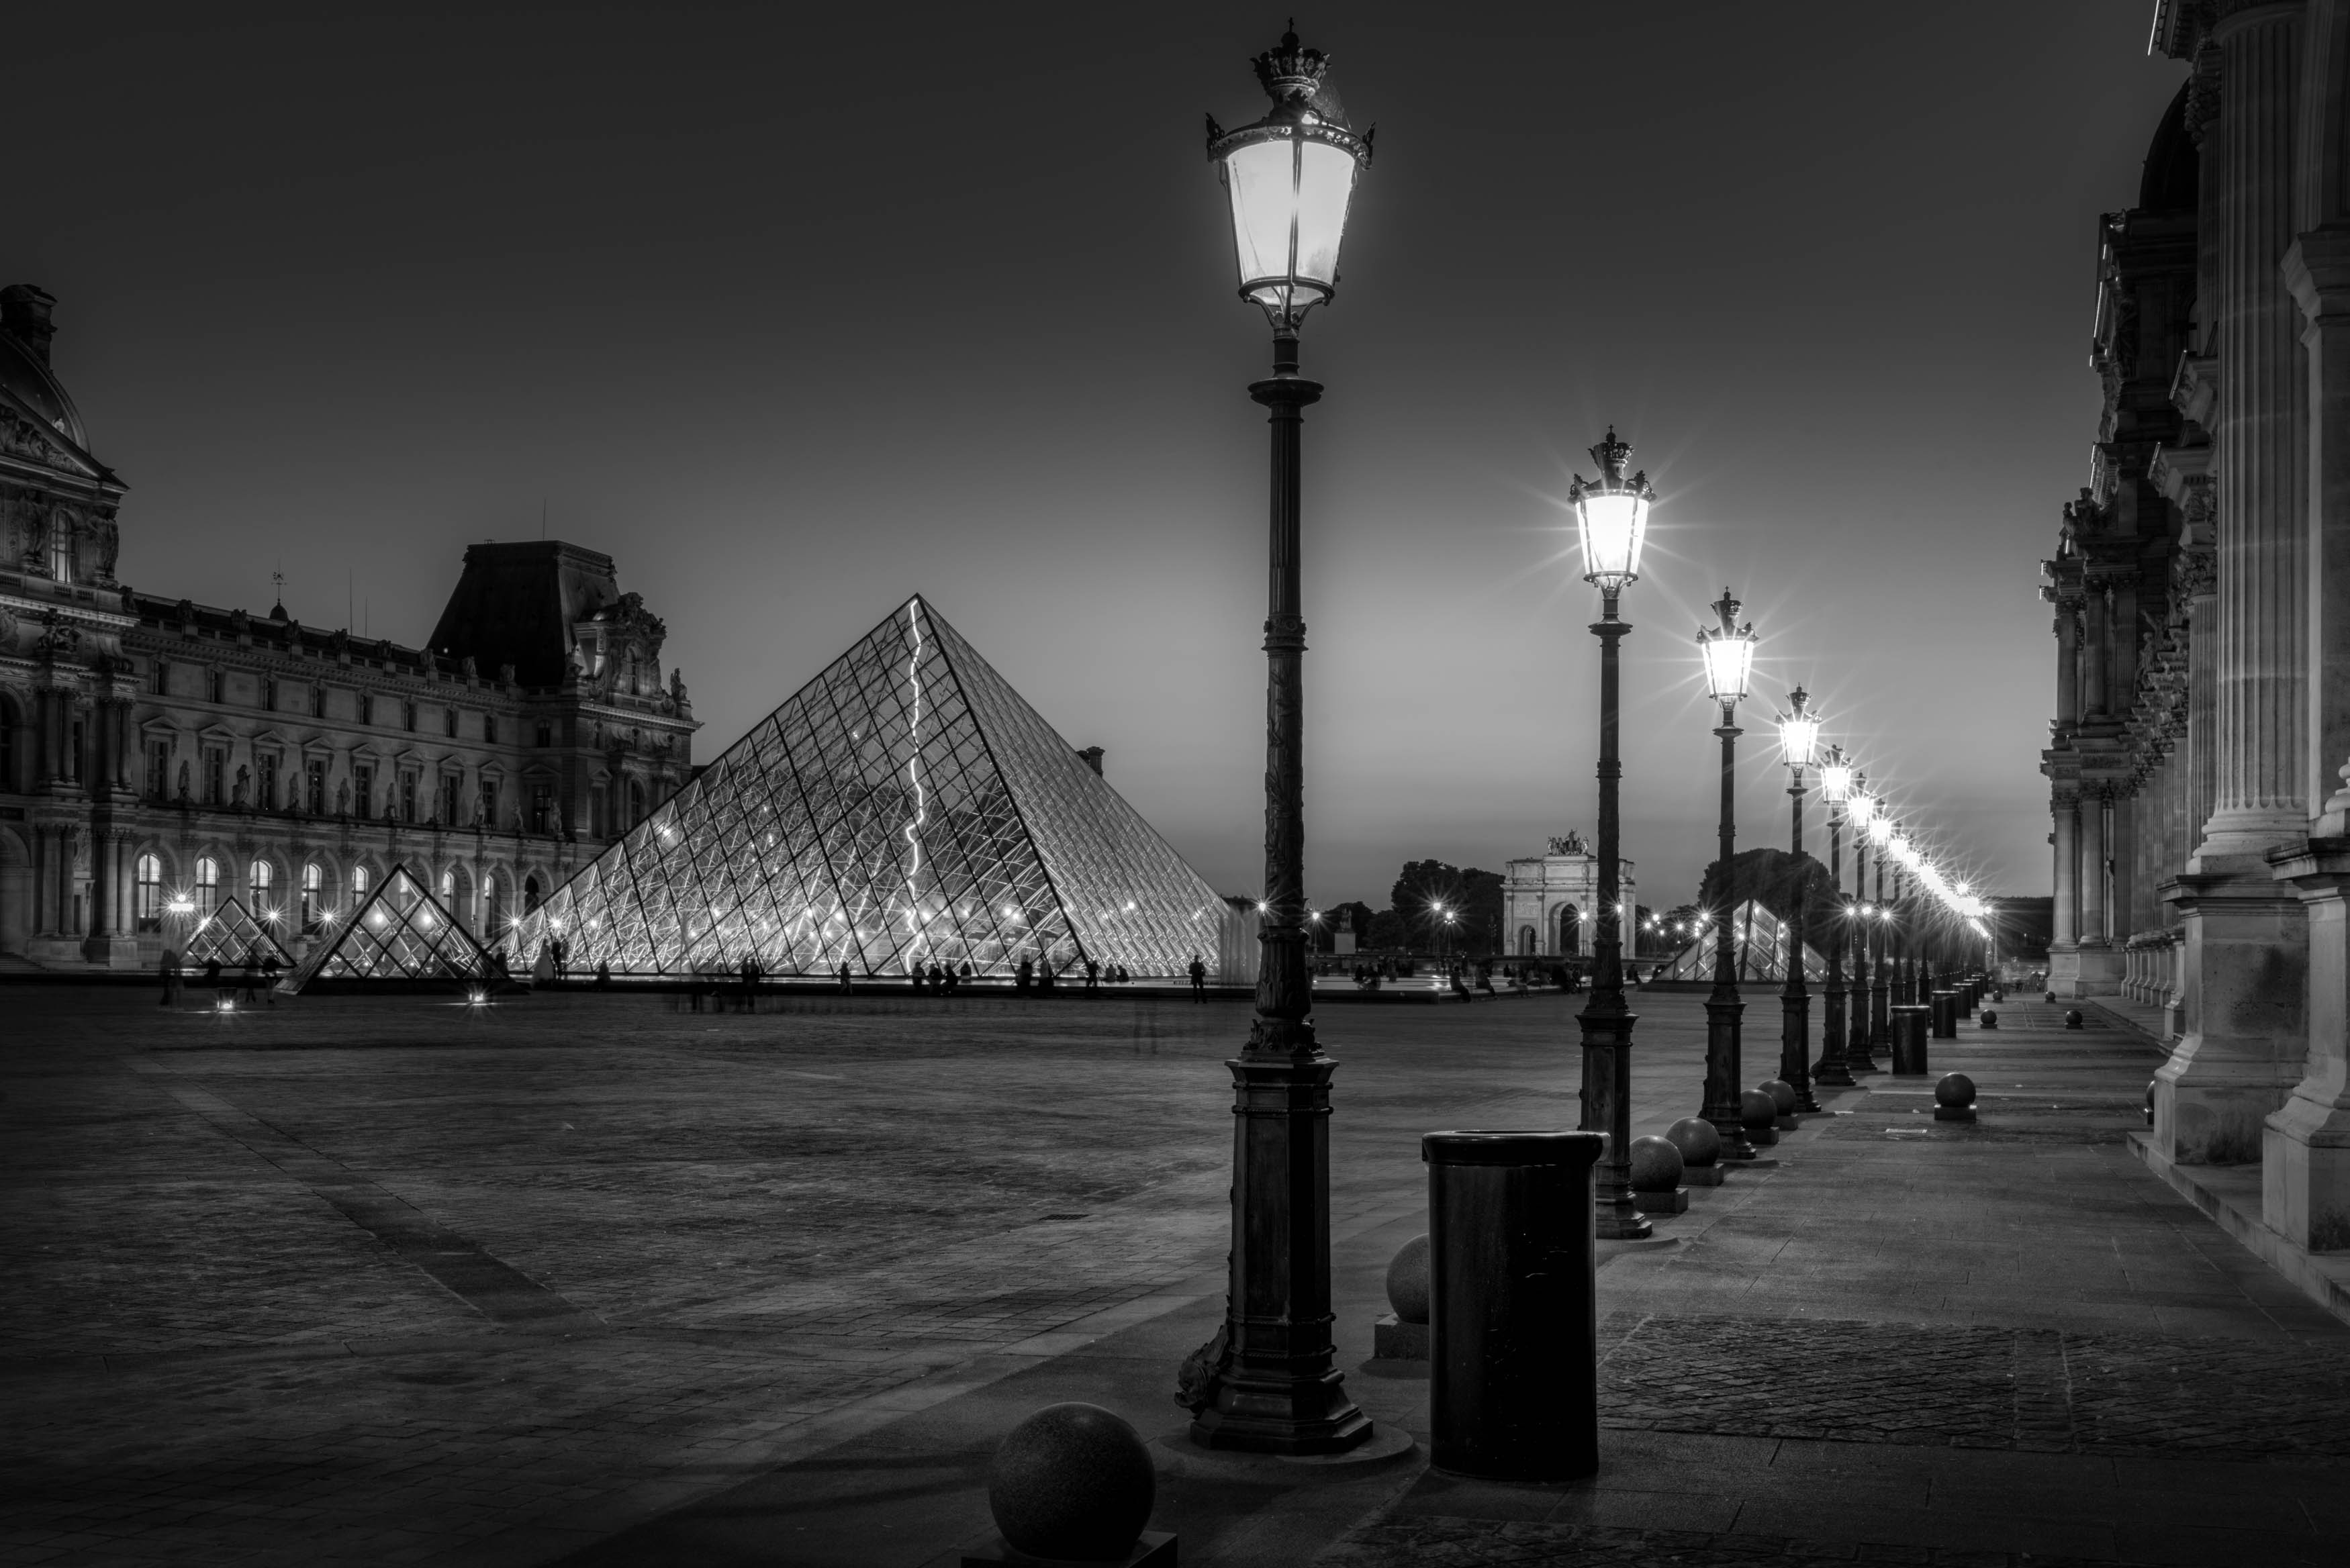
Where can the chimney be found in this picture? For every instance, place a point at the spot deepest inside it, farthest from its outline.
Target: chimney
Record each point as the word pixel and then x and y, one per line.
pixel 24 316
pixel 1091 756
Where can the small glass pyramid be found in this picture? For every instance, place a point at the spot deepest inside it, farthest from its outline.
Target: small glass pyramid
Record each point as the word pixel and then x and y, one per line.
pixel 230 934
pixel 1762 954
pixel 399 931
pixel 905 807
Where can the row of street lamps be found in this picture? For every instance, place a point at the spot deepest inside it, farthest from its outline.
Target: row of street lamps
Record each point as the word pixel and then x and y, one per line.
pixel 1268 1381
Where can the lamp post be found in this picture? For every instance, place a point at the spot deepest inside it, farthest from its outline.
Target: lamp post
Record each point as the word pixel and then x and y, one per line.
pixel 1835 788
pixel 1728 651
pixel 1611 518
pixel 1861 809
pixel 1799 741
pixel 1270 1381
pixel 1880 834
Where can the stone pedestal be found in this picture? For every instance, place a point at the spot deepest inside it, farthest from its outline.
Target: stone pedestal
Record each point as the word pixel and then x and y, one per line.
pixel 1673 1202
pixel 2095 970
pixel 2243 1043
pixel 2305 1144
pixel 1392 1339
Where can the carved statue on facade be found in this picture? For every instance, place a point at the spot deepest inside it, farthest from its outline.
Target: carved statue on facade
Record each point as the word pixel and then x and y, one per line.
pixel 466 667
pixel 183 781
pixel 343 798
pixel 244 784
pixel 1570 844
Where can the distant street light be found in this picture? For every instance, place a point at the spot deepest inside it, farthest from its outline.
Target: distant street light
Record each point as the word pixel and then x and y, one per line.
pixel 1728 651
pixel 1799 743
pixel 1611 518
pixel 1837 782
pixel 1272 1385
pixel 1880 837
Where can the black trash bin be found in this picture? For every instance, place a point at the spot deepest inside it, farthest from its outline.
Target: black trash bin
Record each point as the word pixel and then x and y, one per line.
pixel 1945 1004
pixel 1513 1353
pixel 1910 1023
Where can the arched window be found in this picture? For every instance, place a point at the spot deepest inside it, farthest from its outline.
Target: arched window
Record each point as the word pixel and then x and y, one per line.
pixel 636 801
pixel 207 884
pixel 1570 930
pixel 147 888
pixel 493 909
pixel 358 882
pixel 314 896
pixel 530 895
pixel 262 876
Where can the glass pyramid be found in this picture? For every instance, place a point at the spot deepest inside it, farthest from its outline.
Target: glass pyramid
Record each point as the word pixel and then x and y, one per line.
pixel 1761 939
pixel 904 807
pixel 230 933
pixel 399 931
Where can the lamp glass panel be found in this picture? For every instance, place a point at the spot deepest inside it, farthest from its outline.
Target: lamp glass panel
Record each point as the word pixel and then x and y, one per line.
pixel 1729 661
pixel 1836 781
pixel 1613 524
pixel 1261 179
pixel 1863 808
pixel 1881 830
pixel 1799 739
pixel 1326 179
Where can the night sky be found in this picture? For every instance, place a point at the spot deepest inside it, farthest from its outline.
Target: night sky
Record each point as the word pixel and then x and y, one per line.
pixel 796 316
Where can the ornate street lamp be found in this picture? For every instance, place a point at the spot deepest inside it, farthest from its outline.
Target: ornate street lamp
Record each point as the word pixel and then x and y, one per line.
pixel 1611 517
pixel 1880 1037
pixel 1270 1381
pixel 1838 782
pixel 1799 743
pixel 1728 651
pixel 1905 973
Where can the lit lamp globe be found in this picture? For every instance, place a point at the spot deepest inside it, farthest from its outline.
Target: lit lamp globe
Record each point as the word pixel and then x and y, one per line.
pixel 1835 777
pixel 1799 734
pixel 1880 829
pixel 1611 517
pixel 1728 653
pixel 1289 178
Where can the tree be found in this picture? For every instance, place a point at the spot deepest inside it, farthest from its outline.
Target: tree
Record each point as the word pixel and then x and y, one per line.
pixel 1770 877
pixel 1386 930
pixel 1353 916
pixel 1471 897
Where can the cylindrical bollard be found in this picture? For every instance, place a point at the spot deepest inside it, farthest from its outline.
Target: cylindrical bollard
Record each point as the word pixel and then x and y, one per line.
pixel 1909 1041
pixel 1946 1015
pixel 1514 1367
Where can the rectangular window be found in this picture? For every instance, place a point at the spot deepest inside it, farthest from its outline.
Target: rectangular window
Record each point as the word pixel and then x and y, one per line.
pixel 269 763
pixel 159 770
pixel 73 758
pixel 216 774
pixel 598 819
pixel 542 808
pixel 317 700
pixel 269 693
pixel 314 786
pixel 490 728
pixel 367 707
pixel 489 803
pixel 407 797
pixel 216 686
pixel 446 809
pixel 363 790
pixel 408 716
pixel 449 722
pixel 545 733
pixel 159 678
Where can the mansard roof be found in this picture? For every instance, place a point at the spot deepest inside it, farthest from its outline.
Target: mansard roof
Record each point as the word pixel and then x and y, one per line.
pixel 2171 165
pixel 516 604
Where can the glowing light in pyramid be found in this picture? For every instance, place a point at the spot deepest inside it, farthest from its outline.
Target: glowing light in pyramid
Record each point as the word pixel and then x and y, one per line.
pixel 914 781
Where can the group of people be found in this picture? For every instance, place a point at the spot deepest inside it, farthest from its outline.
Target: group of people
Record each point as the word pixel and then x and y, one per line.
pixel 256 977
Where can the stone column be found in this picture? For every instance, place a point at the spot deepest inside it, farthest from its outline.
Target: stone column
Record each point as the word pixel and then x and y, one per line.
pixel 2064 936
pixel 2242 1048
pixel 2068 664
pixel 2305 1147
pixel 2096 649
pixel 2122 916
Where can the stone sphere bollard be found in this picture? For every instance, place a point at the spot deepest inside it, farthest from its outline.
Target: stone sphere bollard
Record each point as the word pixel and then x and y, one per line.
pixel 1785 1093
pixel 1657 1164
pixel 1407 1277
pixel 1954 1098
pixel 1989 1020
pixel 2072 1018
pixel 1072 1481
pixel 1759 1114
pixel 1699 1143
pixel 2051 996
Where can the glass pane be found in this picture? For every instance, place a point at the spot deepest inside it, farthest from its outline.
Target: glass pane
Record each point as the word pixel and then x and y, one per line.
pixel 1326 177
pixel 1262 178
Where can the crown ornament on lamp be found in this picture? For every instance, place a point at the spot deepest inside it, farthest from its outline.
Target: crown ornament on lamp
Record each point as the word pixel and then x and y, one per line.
pixel 1728 653
pixel 1799 731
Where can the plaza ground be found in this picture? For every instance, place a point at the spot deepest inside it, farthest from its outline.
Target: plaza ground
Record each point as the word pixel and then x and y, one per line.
pixel 596 1280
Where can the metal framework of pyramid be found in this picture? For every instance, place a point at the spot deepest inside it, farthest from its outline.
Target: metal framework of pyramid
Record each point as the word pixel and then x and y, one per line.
pixel 1762 952
pixel 230 934
pixel 398 933
pixel 904 807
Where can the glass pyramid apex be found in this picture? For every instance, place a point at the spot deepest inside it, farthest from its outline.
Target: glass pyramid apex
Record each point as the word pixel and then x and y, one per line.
pixel 905 807
pixel 398 933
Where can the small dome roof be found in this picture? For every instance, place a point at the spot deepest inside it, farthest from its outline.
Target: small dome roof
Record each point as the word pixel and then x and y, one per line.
pixel 23 374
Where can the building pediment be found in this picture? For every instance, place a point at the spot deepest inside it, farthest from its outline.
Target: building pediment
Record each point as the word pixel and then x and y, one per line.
pixel 30 440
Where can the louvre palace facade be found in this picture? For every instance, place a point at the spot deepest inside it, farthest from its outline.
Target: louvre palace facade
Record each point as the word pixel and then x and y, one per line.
pixel 2201 584
pixel 158 757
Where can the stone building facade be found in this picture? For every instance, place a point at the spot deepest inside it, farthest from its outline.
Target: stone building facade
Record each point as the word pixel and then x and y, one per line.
pixel 158 756
pixel 2202 584
pixel 1548 901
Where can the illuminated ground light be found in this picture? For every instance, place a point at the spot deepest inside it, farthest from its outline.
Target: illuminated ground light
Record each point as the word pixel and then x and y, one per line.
pixel 477 996
pixel 223 1003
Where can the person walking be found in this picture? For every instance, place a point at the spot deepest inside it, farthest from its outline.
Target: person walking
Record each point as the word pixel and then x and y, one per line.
pixel 170 977
pixel 269 968
pixel 249 974
pixel 1198 978
pixel 1093 978
pixel 1024 977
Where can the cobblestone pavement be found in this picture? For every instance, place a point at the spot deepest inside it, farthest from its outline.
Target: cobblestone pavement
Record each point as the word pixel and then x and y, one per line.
pixel 364 1281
